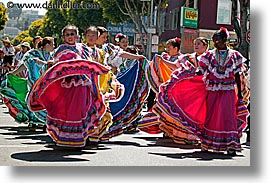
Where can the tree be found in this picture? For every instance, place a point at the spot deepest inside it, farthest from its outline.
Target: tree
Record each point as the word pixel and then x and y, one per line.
pixel 241 24
pixel 34 27
pixel 137 11
pixel 57 18
pixel 112 12
pixel 53 22
pixel 86 17
pixel 3 16
pixel 21 37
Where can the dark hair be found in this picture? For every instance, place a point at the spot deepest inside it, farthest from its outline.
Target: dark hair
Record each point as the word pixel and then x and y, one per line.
pixel 175 42
pixel 119 37
pixel 222 32
pixel 202 39
pixel 70 27
pixel 44 41
pixel 35 38
pixel 101 30
pixel 91 28
pixel 132 49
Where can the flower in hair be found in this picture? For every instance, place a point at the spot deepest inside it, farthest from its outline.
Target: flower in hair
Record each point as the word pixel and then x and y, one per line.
pixel 178 40
pixel 118 36
pixel 226 31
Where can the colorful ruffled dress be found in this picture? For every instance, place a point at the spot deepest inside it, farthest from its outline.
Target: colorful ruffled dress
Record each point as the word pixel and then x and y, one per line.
pixel 70 93
pixel 205 109
pixel 17 88
pixel 158 73
pixel 128 108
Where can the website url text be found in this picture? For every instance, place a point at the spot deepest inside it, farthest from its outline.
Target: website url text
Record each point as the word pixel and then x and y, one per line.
pixel 57 5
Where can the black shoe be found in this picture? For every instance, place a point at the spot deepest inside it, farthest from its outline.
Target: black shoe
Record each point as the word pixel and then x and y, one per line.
pixel 91 143
pixel 231 152
pixel 32 127
pixel 204 150
pixel 44 128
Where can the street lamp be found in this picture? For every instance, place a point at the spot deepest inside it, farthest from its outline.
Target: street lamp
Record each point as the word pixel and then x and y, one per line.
pixel 150 29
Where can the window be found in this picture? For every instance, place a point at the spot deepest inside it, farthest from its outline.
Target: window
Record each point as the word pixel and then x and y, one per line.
pixel 162 21
pixel 224 12
pixel 174 18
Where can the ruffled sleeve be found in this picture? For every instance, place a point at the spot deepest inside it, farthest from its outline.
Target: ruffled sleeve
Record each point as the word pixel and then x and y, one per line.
pixel 113 54
pixel 238 62
pixel 203 61
pixel 33 67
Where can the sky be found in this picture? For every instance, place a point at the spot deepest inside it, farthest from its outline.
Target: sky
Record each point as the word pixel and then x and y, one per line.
pixel 41 11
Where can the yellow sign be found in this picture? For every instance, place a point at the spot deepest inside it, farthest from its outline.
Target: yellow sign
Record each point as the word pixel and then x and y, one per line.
pixel 191 14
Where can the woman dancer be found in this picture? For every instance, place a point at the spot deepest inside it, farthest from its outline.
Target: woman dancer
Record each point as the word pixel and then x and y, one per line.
pixel 18 85
pixel 160 70
pixel 70 93
pixel 105 80
pixel 126 110
pixel 206 108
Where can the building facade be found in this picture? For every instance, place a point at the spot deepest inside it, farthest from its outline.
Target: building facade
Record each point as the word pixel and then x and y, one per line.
pixel 189 19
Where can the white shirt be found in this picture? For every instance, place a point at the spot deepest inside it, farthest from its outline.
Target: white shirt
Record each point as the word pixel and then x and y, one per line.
pixel 8 50
pixel 19 55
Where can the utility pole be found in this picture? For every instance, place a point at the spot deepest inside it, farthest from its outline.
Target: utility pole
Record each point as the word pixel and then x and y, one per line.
pixel 150 33
pixel 150 29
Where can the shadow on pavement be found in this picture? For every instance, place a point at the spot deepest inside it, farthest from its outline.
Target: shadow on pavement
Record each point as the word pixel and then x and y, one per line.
pixel 123 143
pixel 38 139
pixel 198 155
pixel 21 130
pixel 246 145
pixel 166 142
pixel 61 155
pixel 18 133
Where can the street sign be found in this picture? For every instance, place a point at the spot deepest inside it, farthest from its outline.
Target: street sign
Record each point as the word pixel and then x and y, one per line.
pixel 155 39
pixel 155 48
pixel 126 28
pixel 151 30
pixel 248 36
pixel 189 17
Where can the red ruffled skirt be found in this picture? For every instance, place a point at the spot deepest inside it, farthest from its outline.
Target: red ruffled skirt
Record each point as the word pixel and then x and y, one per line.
pixel 189 113
pixel 70 93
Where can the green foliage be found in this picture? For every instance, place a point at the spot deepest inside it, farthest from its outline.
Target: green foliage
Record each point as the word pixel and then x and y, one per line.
pixel 27 39
pixel 112 12
pixel 21 37
pixel 85 17
pixel 53 22
pixel 56 19
pixel 34 27
pixel 3 16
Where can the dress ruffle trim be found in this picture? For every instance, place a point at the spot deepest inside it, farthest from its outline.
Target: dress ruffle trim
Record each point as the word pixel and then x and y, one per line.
pixel 233 63
pixel 59 71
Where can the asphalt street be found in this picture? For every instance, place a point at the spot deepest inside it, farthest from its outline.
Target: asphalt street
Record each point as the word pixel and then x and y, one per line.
pixel 21 147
